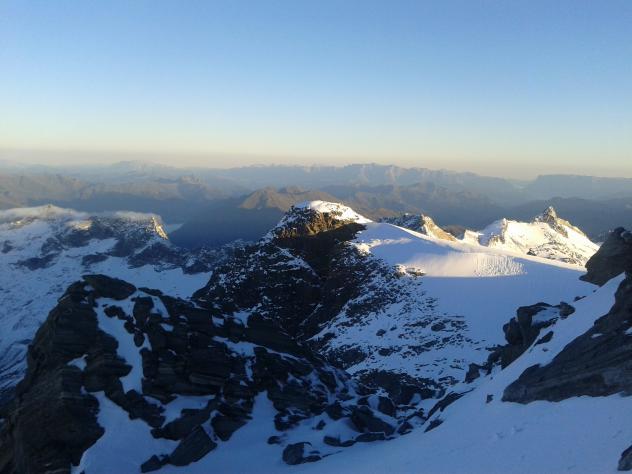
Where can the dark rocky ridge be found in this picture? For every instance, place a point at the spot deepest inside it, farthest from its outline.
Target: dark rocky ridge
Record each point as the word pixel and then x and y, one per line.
pixel 61 245
pixel 520 333
pixel 52 421
pixel 302 275
pixel 53 418
pixel 269 276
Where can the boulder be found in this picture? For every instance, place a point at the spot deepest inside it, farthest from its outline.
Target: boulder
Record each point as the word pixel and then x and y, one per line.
pixel 192 448
pixel 154 463
pixel 295 454
pixel 365 420
pixel 224 426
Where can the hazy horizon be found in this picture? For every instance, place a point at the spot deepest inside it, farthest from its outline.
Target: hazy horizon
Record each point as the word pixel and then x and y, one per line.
pixel 61 158
pixel 496 88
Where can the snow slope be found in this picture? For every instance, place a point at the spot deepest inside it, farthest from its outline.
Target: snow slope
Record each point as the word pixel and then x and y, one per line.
pixel 342 212
pixel 439 323
pixel 582 434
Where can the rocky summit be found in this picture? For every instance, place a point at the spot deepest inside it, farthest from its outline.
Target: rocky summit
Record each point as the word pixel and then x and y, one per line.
pixel 334 343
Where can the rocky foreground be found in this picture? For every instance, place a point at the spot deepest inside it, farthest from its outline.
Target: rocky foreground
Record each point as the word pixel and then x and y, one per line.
pixel 310 344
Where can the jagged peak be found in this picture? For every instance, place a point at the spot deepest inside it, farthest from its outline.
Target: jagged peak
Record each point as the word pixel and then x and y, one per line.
pixel 312 210
pixel 550 212
pixel 550 217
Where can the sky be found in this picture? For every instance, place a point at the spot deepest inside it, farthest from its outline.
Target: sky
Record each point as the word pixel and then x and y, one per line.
pixel 498 87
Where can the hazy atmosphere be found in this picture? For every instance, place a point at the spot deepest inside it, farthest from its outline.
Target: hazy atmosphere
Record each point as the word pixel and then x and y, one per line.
pixel 501 88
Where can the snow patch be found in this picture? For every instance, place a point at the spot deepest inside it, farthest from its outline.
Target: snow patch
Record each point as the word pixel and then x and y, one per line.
pixel 341 211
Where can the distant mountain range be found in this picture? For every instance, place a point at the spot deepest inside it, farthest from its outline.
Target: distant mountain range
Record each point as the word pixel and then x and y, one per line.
pixel 215 205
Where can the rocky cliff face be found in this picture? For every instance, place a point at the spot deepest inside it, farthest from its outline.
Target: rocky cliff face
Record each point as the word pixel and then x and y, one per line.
pixel 139 238
pixel 190 377
pixel 614 257
pixel 597 363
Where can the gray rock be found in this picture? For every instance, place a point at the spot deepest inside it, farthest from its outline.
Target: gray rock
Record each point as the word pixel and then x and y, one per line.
pixel 295 454
pixel 625 462
pixel 154 463
pixel 597 363
pixel 613 258
pixel 192 448
pixel 366 421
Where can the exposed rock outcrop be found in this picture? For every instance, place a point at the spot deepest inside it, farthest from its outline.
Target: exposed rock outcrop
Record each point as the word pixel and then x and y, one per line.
pixel 142 350
pixel 521 332
pixel 613 258
pixel 308 280
pixel 597 363
pixel 420 223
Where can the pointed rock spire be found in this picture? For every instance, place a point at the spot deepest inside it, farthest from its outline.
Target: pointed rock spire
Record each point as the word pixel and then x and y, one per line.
pixel 550 212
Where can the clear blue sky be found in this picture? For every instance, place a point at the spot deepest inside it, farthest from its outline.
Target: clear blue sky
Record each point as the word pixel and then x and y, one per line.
pixel 503 87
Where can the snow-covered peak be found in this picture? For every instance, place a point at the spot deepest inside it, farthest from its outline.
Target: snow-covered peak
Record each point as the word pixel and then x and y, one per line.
pixel 312 217
pixel 550 217
pixel 547 236
pixel 339 211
